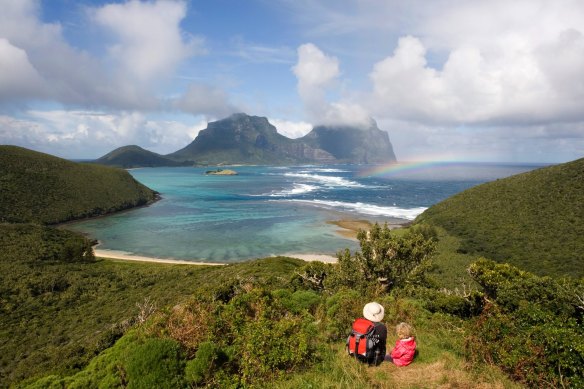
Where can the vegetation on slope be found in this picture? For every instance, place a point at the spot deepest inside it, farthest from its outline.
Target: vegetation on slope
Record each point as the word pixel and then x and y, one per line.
pixel 268 323
pixel 534 220
pixel 40 188
pixel 134 156
pixel 75 321
pixel 59 307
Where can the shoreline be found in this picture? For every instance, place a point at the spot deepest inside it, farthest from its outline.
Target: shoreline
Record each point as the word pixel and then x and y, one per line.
pixel 125 256
pixel 348 228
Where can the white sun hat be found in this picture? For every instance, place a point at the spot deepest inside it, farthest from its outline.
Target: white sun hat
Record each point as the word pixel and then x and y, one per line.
pixel 373 311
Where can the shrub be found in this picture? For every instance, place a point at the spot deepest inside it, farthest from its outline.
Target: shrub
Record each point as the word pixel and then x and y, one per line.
pixel 156 363
pixel 342 309
pixel 312 276
pixel 464 306
pixel 205 363
pixel 385 262
pixel 531 328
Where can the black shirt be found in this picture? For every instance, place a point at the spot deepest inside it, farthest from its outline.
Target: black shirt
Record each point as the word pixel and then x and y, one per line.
pixel 379 335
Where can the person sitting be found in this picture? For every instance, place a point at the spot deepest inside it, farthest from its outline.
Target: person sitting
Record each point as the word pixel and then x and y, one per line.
pixel 368 339
pixel 405 346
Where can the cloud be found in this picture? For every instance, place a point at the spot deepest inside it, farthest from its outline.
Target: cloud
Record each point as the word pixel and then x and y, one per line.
pixel 149 42
pixel 206 100
pixel 291 129
pixel 538 83
pixel 317 74
pixel 38 63
pixel 18 78
pixel 82 134
pixel 55 70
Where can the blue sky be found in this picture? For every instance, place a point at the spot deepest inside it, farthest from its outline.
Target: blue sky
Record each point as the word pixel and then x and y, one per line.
pixel 448 79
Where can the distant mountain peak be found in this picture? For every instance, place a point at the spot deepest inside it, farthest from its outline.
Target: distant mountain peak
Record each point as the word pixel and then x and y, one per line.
pixel 245 139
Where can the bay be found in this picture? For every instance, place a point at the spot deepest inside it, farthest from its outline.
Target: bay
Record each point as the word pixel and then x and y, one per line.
pixel 265 211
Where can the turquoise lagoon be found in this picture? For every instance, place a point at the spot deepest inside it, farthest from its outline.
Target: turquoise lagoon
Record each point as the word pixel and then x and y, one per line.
pixel 266 211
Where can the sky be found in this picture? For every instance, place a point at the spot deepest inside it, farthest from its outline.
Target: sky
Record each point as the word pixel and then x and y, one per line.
pixel 449 80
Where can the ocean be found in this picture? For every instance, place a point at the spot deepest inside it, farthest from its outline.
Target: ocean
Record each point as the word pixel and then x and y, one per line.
pixel 266 211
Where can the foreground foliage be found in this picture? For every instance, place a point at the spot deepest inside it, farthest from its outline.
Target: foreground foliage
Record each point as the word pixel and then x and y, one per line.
pixel 59 307
pixel 249 327
pixel 530 326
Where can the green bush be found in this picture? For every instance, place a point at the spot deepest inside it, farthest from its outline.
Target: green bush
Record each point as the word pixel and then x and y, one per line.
pixel 531 328
pixel 312 276
pixel 252 339
pixel 299 300
pixel 156 363
pixel 203 366
pixel 342 309
pixel 385 261
pixel 464 306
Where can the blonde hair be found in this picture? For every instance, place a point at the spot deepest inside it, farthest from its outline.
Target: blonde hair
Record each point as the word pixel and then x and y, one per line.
pixel 404 330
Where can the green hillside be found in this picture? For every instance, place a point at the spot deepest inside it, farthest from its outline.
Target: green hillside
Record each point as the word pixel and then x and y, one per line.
pixel 534 220
pixel 69 320
pixel 134 156
pixel 40 188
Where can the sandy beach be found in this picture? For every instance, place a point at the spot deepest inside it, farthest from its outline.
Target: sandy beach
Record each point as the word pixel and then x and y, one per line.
pixel 347 228
pixel 124 256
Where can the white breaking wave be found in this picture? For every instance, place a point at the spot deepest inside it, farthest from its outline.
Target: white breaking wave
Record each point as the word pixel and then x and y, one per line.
pixel 366 209
pixel 324 170
pixel 296 190
pixel 326 180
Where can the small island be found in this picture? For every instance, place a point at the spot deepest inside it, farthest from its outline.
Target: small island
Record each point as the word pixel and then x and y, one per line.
pixel 222 172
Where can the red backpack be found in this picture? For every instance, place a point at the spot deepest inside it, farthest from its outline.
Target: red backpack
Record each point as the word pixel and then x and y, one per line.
pixel 360 343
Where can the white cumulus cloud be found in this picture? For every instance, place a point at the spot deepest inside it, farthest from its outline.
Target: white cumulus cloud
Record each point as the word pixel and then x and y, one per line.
pixel 149 42
pixel 83 134
pixel 317 74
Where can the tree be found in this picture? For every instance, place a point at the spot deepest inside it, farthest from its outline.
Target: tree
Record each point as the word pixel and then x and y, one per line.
pixel 386 261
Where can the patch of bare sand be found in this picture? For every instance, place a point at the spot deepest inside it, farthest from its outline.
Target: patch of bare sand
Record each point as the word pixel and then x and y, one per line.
pixel 349 228
pixel 314 257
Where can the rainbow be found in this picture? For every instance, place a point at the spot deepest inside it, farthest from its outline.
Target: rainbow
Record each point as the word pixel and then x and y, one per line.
pixel 395 168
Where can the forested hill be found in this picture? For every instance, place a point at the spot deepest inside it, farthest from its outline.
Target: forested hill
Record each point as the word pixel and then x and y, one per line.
pixel 534 220
pixel 40 188
pixel 134 156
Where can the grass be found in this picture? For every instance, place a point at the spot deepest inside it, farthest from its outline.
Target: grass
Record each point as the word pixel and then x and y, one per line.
pixel 439 362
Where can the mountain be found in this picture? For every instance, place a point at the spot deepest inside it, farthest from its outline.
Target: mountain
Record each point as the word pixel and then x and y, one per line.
pixel 350 144
pixel 534 220
pixel 134 156
pixel 40 188
pixel 244 139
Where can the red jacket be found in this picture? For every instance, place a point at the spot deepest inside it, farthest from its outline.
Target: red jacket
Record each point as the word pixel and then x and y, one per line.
pixel 404 350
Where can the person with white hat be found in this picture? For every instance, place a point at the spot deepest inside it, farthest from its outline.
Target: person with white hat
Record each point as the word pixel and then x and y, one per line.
pixel 374 332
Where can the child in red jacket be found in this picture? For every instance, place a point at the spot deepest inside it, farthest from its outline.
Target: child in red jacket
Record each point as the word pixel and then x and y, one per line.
pixel 405 346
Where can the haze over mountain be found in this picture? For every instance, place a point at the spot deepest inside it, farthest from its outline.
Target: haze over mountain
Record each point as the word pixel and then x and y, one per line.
pixel 245 139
